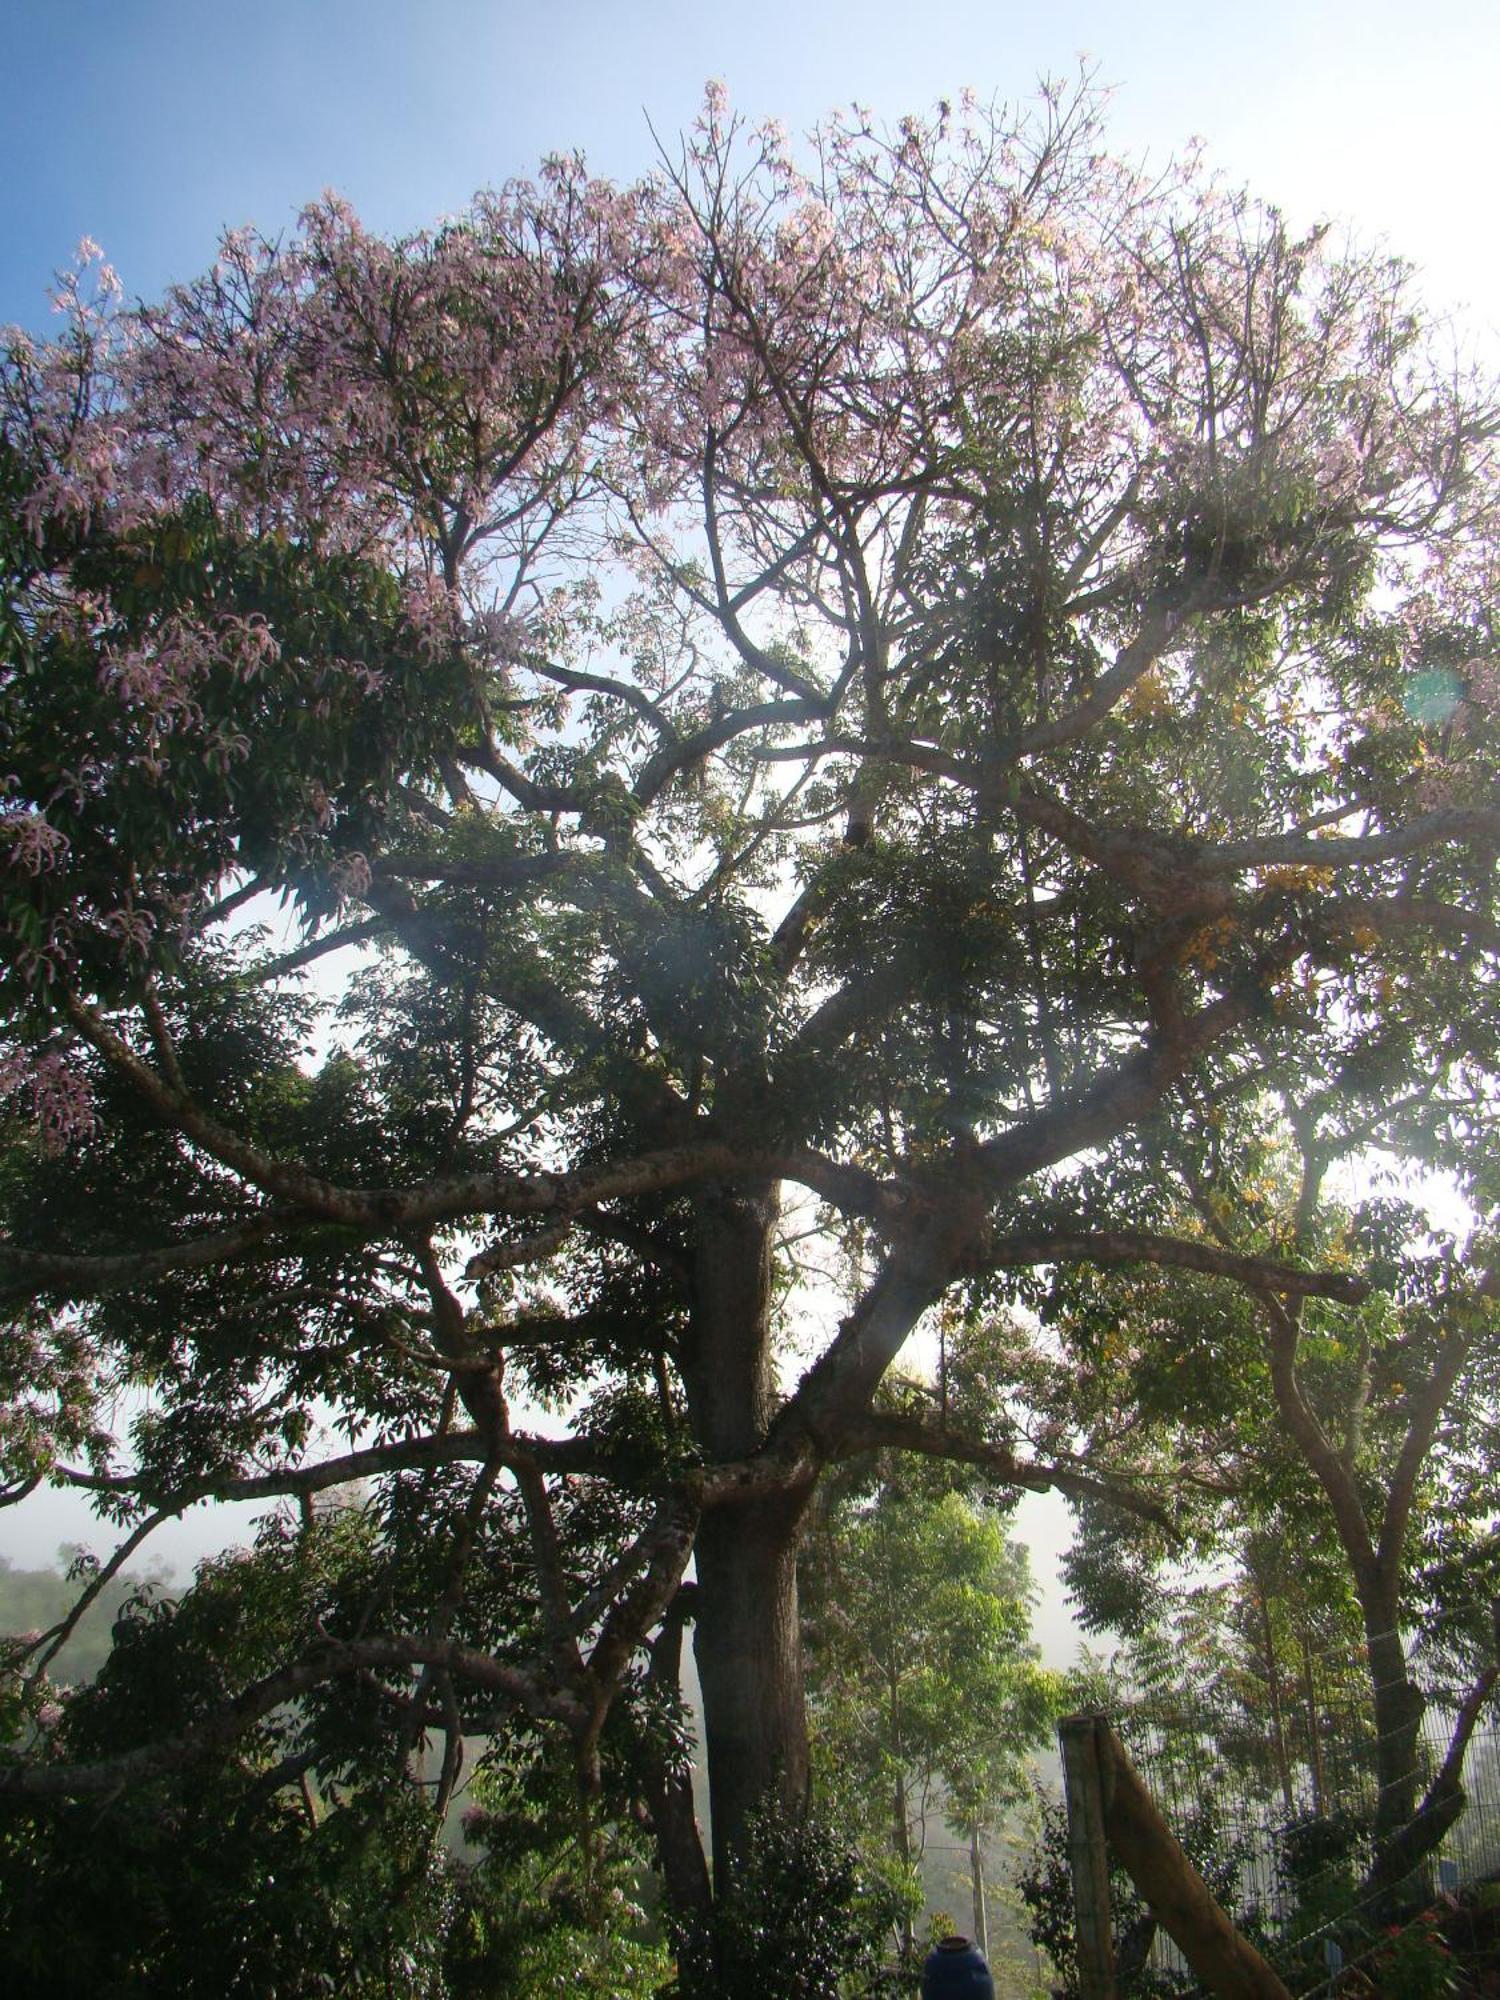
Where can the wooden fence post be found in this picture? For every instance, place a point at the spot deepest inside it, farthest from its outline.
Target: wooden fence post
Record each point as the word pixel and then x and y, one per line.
pixel 1088 1857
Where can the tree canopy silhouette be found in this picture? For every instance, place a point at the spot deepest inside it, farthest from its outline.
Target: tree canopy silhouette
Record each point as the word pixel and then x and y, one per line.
pixel 819 706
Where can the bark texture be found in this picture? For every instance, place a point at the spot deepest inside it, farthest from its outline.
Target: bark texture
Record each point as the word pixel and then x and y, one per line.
pixel 747 1640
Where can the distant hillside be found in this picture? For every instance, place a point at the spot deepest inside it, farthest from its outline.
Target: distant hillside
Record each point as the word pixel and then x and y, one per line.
pixel 33 1600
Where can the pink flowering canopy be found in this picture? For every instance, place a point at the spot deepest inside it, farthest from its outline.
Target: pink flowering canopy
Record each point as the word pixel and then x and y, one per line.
pixel 847 696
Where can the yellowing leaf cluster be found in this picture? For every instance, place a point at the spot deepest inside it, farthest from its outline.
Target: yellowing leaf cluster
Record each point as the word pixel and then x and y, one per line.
pixel 1149 696
pixel 1296 878
pixel 1206 946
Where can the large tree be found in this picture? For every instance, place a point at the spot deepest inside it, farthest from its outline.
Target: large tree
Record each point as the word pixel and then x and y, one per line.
pixel 825 694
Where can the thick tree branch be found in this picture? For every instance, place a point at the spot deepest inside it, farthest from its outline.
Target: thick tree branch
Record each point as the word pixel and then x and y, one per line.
pixel 1322 1456
pixel 681 756
pixel 345 938
pixel 633 697
pixel 527 991
pixel 495 871
pixel 1350 850
pixel 1425 1409
pixel 285 1179
pixel 563 1194
pixel 669 1786
pixel 893 1431
pixel 564 1455
pixel 525 1688
pixel 82 1274
pixel 662 1551
pixel 1442 1803
pixel 1091 1116
pixel 1392 916
pixel 1138 1246
pixel 511 1256
pixel 838 1387
pixel 1132 662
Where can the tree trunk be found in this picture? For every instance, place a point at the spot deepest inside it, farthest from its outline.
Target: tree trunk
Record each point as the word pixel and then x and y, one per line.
pixel 1314 1736
pixel 1397 1863
pixel 1273 1691
pixel 1398 1710
pixel 901 1840
pixel 750 1665
pixel 746 1639
pixel 669 1797
pixel 1374 1562
pixel 976 1876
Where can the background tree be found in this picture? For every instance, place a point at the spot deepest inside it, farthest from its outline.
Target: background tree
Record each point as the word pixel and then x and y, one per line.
pixel 1342 1457
pixel 1269 1662
pixel 840 693
pixel 925 1694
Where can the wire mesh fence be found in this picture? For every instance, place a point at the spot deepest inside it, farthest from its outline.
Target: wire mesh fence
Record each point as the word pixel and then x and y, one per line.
pixel 1284 1801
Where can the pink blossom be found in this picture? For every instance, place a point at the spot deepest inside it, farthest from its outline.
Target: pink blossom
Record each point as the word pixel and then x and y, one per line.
pixel 248 644
pixel 433 615
pixel 350 875
pixel 501 634
pixel 134 927
pixel 35 845
pixel 57 1095
pixel 367 680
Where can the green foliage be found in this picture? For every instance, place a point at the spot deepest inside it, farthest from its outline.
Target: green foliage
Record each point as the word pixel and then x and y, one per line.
pixel 37 1600
pixel 303 1860
pixel 566 1883
pixel 224 1881
pixel 803 1918
pixel 242 771
pixel 1417 1964
pixel 1320 1858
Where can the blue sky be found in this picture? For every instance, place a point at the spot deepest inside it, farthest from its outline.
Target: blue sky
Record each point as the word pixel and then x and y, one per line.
pixel 151 124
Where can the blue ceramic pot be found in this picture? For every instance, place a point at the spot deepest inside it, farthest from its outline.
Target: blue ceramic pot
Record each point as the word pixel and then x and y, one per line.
pixel 956 1970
